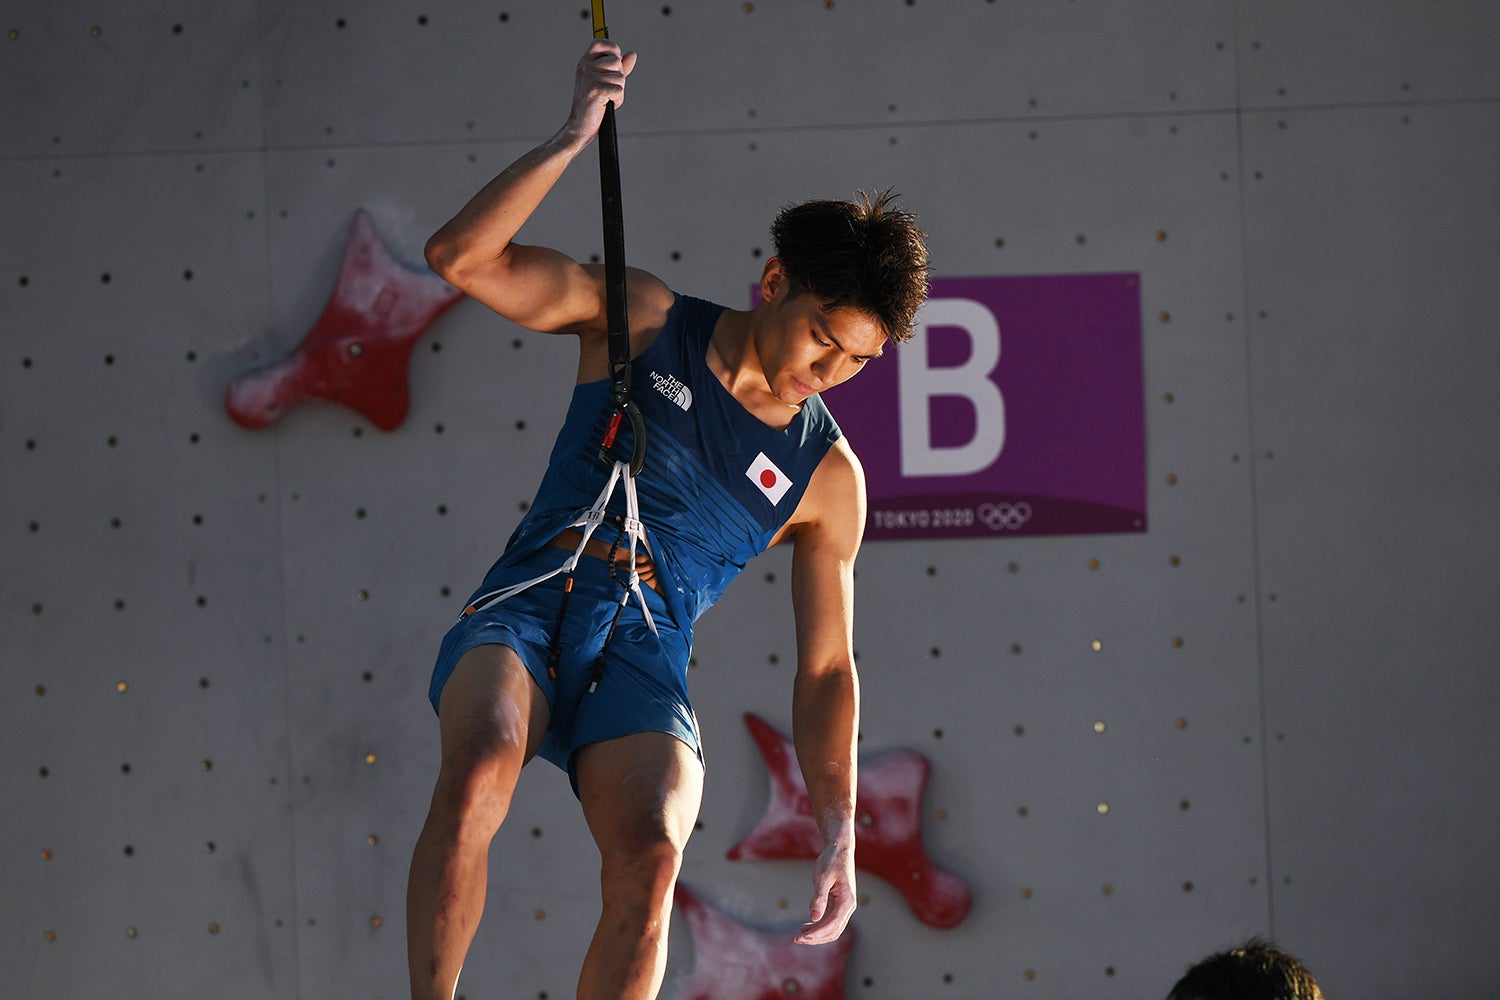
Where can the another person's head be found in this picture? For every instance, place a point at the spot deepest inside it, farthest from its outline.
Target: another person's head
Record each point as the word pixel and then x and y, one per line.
pixel 1257 970
pixel 866 255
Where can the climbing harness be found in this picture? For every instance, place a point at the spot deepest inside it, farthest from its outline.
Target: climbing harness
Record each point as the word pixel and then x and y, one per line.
pixel 629 530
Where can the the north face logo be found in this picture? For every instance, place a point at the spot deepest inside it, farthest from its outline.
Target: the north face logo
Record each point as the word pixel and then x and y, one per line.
pixel 768 479
pixel 673 389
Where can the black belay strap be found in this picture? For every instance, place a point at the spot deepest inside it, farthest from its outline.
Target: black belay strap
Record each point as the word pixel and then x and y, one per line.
pixel 617 316
pixel 616 309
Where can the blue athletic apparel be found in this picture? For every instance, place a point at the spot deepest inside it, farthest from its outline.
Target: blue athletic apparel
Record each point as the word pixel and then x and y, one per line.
pixel 717 486
pixel 644 684
pixel 718 483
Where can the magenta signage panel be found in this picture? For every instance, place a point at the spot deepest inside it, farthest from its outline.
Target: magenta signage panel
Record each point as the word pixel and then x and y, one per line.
pixel 1016 409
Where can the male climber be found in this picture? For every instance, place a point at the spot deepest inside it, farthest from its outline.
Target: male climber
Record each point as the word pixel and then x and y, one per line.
pixel 576 644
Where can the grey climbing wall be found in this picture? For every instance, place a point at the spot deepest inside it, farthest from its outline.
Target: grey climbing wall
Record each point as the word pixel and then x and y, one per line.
pixel 1269 713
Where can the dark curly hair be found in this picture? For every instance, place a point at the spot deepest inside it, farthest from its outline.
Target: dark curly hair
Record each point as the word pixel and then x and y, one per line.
pixel 864 254
pixel 1257 970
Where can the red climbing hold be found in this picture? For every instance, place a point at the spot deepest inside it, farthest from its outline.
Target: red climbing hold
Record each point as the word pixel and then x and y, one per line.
pixel 358 351
pixel 888 831
pixel 734 962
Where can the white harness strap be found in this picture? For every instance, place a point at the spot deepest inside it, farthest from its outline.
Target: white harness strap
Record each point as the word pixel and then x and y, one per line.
pixel 588 522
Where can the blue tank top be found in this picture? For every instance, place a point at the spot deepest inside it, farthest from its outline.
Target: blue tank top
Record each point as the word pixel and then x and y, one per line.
pixel 717 484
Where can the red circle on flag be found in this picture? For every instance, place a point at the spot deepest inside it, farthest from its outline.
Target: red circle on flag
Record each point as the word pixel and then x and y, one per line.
pixel 768 479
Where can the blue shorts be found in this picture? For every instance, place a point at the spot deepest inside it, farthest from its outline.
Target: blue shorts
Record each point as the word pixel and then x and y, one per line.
pixel 644 684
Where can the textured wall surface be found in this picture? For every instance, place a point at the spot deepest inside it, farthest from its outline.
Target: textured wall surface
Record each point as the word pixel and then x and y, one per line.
pixel 1271 713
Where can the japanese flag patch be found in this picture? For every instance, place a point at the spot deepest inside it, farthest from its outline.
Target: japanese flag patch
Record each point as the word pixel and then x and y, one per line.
pixel 768 479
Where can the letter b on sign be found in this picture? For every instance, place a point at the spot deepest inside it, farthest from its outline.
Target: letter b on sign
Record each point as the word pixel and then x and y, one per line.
pixel 918 383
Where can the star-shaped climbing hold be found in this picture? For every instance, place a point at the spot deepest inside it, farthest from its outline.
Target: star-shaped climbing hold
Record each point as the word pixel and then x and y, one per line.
pixel 734 962
pixel 357 352
pixel 888 835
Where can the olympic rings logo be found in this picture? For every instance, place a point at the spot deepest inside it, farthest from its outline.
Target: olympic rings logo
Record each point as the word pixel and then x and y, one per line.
pixel 1005 516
